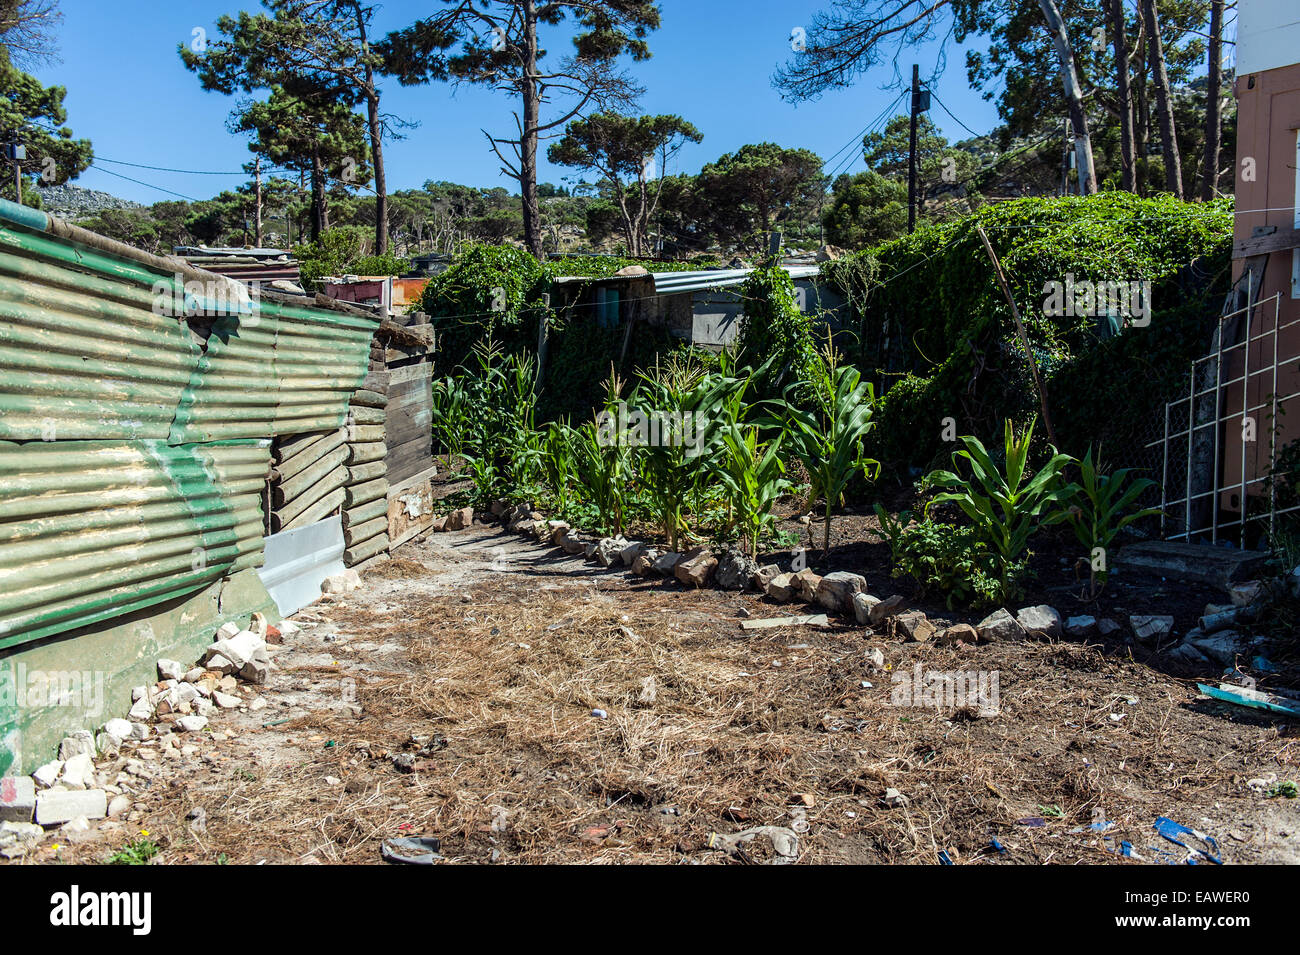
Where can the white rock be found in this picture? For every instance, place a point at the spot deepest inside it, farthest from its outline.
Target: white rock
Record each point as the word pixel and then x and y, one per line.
pixel 999 625
pixel 58 806
pixel 343 583
pixel 862 604
pixel 191 724
pixel 238 649
pixel 119 728
pixel 19 832
pixel 1222 647
pixel 1151 628
pixel 79 742
pixel 1108 628
pixel 118 806
pixel 226 701
pixel 1081 627
pixel 170 669
pixel 1244 594
pixel 78 772
pixel 140 731
pixel 48 774
pixel 141 710
pixel 226 631
pixel 835 591
pixel 1040 621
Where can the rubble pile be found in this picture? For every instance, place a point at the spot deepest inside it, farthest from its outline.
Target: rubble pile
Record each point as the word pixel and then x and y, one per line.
pixel 102 775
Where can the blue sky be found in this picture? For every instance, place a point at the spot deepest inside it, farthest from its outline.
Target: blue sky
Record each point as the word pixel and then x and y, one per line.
pixel 130 95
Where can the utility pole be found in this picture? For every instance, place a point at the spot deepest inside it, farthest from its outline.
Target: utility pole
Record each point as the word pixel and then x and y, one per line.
pixel 16 153
pixel 911 150
pixel 257 207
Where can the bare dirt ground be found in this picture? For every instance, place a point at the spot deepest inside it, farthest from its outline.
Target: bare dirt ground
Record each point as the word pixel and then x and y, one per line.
pixel 452 695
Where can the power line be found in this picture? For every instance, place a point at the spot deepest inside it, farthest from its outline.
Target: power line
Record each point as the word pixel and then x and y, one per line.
pixel 958 121
pixel 189 172
pixel 857 139
pixel 147 185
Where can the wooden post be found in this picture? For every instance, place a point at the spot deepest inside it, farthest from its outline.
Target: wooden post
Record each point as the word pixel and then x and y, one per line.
pixel 1020 330
pixel 543 338
pixel 911 150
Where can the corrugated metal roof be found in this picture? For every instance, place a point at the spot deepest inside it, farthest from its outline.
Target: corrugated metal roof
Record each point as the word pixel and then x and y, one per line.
pixel 677 283
pixel 144 444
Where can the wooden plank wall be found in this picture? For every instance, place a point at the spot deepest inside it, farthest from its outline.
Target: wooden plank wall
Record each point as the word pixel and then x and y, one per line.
pixel 408 425
pixel 365 492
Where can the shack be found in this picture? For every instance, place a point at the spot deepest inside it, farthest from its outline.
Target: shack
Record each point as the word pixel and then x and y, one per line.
pixel 142 405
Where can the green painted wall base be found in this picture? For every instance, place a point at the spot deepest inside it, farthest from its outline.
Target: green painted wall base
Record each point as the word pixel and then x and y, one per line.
pixel 81 679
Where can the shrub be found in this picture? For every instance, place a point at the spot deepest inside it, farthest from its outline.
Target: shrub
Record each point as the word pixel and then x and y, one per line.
pixel 1006 507
pixel 489 292
pixel 774 333
pixel 942 557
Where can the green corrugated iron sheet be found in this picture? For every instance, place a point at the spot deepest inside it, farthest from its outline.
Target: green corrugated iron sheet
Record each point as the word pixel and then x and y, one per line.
pixel 82 353
pixel 133 453
pixel 281 370
pixel 92 529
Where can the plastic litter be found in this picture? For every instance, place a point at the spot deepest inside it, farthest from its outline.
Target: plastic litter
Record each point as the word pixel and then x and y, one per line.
pixel 1255 699
pixel 411 850
pixel 1181 835
pixel 784 844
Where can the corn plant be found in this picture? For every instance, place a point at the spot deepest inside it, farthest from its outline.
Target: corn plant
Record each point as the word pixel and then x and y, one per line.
pixel 828 438
pixel 685 403
pixel 1097 514
pixel 1005 508
pixel 451 416
pixel 754 479
pixel 602 463
pixel 557 461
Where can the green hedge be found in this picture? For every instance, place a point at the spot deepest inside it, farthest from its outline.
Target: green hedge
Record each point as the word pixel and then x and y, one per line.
pixel 934 329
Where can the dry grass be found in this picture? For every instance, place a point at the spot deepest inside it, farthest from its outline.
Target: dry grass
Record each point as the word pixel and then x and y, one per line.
pixel 399 568
pixel 709 728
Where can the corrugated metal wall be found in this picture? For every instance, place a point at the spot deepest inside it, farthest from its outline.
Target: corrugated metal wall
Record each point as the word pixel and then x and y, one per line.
pixel 133 451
